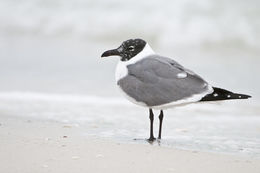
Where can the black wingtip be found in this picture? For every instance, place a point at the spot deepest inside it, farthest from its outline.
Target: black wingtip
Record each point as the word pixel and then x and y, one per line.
pixel 243 96
pixel 240 96
pixel 222 94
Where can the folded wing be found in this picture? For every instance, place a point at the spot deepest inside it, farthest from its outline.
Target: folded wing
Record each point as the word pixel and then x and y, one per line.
pixel 157 80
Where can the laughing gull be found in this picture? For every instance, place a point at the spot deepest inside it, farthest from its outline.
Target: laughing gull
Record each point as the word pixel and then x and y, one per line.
pixel 158 82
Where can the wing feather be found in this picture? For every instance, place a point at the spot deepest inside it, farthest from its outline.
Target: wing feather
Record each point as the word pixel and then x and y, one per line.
pixel 155 81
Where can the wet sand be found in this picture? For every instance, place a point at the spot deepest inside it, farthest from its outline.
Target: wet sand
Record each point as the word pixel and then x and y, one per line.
pixel 43 146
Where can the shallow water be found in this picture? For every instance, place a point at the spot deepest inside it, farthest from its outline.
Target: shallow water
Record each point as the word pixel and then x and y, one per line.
pixel 50 67
pixel 229 127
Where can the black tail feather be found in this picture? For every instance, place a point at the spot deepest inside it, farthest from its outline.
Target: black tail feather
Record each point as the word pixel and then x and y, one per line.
pixel 222 94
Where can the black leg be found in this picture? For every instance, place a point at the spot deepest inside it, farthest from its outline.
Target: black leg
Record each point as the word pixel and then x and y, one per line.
pixel 151 116
pixel 160 127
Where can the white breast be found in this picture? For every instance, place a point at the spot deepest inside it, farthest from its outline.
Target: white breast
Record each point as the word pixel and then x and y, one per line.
pixel 121 69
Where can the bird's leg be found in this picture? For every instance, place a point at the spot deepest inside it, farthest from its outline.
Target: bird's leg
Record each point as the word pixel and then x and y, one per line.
pixel 160 126
pixel 151 116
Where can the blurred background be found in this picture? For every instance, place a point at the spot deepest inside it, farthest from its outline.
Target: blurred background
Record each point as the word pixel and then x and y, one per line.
pixel 55 45
pixel 50 63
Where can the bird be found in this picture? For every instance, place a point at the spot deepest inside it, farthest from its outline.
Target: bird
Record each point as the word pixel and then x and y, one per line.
pixel 157 82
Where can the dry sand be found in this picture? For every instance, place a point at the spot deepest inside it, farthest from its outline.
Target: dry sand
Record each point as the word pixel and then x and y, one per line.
pixel 30 146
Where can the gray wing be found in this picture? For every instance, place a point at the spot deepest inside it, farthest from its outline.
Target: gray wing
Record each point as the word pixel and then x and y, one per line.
pixel 159 80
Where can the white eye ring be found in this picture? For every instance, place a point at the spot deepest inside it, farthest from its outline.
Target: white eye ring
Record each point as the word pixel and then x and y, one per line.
pixel 131 48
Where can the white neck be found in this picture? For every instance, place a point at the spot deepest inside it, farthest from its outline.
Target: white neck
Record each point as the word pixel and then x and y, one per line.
pixel 141 55
pixel 121 69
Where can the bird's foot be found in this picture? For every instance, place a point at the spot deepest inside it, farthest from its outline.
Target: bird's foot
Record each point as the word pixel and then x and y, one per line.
pixel 151 140
pixel 158 141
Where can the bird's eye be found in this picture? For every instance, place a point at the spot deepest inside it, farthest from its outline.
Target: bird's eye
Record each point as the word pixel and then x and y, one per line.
pixel 131 48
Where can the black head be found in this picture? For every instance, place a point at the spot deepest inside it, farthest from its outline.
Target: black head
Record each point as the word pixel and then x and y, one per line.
pixel 127 50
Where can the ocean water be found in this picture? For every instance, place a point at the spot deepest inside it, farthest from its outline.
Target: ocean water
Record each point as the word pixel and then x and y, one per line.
pixel 50 67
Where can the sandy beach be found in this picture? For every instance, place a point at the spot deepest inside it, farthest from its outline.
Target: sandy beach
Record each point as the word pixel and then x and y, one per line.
pixel 42 146
pixel 60 108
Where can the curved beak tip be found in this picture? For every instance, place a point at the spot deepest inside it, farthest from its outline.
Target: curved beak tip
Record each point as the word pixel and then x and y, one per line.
pixel 103 55
pixel 113 52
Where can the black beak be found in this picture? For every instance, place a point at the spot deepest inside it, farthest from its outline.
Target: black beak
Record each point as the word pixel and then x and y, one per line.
pixel 113 52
